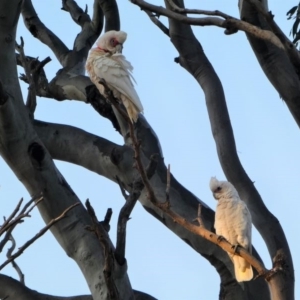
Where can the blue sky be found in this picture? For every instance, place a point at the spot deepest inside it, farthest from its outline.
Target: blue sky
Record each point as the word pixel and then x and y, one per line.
pixel 267 140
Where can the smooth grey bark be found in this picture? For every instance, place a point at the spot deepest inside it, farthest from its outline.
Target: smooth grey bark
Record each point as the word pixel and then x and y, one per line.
pixel 276 64
pixel 14 290
pixel 283 73
pixel 26 155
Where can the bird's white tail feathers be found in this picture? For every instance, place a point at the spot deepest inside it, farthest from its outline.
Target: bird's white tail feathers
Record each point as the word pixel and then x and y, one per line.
pixel 242 269
pixel 132 110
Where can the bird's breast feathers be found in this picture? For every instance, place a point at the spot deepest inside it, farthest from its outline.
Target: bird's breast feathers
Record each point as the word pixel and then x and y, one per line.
pixel 232 214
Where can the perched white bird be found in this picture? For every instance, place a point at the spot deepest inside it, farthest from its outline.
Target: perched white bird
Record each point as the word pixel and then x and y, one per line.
pixel 106 61
pixel 233 222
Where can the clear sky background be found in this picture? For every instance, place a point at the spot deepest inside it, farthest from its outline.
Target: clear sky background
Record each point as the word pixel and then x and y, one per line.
pixel 267 140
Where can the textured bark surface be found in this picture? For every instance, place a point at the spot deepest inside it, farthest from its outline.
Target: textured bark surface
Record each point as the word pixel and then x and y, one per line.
pixel 29 146
pixel 25 153
pixel 13 289
pixel 283 72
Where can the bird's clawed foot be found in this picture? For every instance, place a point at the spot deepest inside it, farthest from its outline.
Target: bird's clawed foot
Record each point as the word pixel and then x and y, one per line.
pixel 234 247
pixel 221 238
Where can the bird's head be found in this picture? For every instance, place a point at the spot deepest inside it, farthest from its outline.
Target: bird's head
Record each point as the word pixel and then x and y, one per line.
pixel 222 189
pixel 112 41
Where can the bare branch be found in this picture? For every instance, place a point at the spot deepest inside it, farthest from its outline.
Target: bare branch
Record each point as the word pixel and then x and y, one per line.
pixel 128 207
pixel 227 22
pixel 6 221
pixel 90 29
pixel 105 223
pixel 25 212
pixel 290 48
pixel 111 14
pixel 98 17
pixel 102 236
pixel 31 99
pixel 13 288
pixel 79 16
pixel 41 32
pixel 159 24
pixel 39 234
pixel 199 230
pixel 38 74
pixel 14 264
pixel 181 10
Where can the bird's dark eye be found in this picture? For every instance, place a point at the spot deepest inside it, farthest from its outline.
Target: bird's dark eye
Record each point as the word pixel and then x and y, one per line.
pixel 113 42
pixel 218 188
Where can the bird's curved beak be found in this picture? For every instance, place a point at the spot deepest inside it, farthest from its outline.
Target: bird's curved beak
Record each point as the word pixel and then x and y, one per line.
pixel 119 48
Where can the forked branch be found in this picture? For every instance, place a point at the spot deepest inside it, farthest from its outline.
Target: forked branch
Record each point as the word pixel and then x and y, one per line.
pixel 39 234
pixel 216 18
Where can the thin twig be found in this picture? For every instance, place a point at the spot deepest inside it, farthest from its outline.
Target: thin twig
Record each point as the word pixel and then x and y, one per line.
pixel 181 10
pixel 199 217
pixel 6 221
pixel 39 234
pixel 31 98
pixel 23 213
pixel 158 23
pixel 14 264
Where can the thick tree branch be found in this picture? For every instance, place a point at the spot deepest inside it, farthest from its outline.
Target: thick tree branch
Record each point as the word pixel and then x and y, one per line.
pixel 108 270
pixel 127 208
pixel 79 16
pixel 26 155
pixel 98 17
pixel 111 14
pixel 279 68
pixel 110 160
pixel 90 29
pixel 290 48
pixel 41 32
pixel 226 21
pixel 13 290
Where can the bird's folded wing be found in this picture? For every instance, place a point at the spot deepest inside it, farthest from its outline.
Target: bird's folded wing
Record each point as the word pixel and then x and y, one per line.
pixel 244 227
pixel 116 75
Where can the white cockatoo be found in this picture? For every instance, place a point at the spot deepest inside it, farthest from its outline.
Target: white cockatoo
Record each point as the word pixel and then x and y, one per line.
pixel 106 61
pixel 233 222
